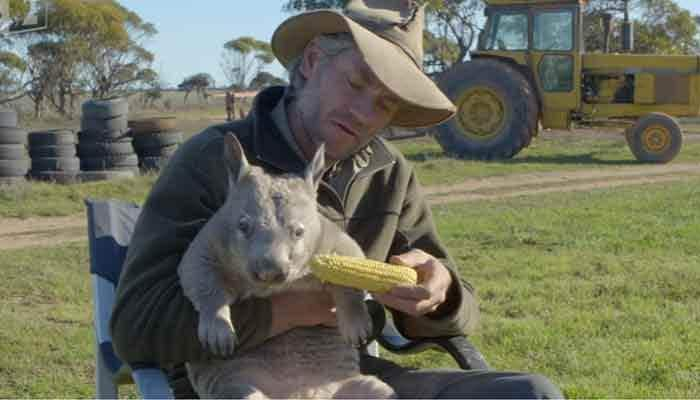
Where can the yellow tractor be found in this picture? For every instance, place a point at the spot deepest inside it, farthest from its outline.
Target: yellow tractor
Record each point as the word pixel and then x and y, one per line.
pixel 530 70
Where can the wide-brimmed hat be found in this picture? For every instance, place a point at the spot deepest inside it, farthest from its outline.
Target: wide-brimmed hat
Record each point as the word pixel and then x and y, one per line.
pixel 389 35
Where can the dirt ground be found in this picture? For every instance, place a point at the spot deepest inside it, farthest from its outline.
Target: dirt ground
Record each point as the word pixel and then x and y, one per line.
pixel 48 231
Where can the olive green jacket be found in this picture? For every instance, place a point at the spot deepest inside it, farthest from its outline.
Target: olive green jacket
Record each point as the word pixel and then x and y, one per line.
pixel 381 207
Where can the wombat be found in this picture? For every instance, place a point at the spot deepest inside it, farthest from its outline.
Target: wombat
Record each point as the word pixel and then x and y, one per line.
pixel 257 244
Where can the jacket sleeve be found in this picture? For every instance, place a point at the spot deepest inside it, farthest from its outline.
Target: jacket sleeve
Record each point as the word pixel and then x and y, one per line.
pixel 459 314
pixel 152 320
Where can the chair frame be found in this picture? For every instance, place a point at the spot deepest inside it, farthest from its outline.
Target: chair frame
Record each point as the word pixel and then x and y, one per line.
pixel 110 224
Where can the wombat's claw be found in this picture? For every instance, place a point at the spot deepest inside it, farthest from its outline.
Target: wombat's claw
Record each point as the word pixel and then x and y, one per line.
pixel 217 335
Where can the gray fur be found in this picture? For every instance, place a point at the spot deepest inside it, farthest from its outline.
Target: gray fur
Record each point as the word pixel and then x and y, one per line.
pixel 257 244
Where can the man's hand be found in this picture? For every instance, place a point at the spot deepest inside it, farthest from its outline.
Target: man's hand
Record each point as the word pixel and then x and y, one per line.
pixel 434 280
pixel 296 309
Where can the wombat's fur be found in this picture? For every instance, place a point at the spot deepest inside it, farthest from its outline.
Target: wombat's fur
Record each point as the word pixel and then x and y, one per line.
pixel 258 243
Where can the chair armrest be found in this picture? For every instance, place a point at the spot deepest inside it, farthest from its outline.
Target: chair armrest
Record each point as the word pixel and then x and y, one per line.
pixel 151 382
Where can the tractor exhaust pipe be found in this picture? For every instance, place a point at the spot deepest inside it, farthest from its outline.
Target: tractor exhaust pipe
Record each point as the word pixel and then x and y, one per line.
pixel 607 31
pixel 627 31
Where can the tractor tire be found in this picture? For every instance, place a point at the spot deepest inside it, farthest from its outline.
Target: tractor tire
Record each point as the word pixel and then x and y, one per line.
pixel 160 151
pixel 153 163
pixel 64 164
pixel 656 138
pixel 150 125
pixel 104 125
pixel 62 151
pixel 59 177
pixel 10 135
pixel 497 111
pixel 105 109
pixel 158 139
pixel 56 137
pixel 104 149
pixel 13 168
pixel 13 152
pixel 92 176
pixel 108 163
pixel 8 118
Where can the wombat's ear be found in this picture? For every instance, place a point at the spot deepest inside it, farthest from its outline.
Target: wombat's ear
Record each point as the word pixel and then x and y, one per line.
pixel 234 156
pixel 314 171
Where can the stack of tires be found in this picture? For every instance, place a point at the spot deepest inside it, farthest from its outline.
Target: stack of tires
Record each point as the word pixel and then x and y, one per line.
pixel 104 143
pixel 14 159
pixel 155 141
pixel 54 156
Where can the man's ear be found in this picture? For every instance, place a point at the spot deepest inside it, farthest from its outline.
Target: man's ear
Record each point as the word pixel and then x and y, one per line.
pixel 234 156
pixel 309 59
pixel 314 171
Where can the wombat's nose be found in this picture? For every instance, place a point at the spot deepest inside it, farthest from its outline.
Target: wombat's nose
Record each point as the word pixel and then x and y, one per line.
pixel 269 273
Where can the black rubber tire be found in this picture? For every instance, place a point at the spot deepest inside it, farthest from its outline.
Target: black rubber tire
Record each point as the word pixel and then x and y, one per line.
pixel 9 135
pixel 12 180
pixel 104 125
pixel 521 111
pixel 153 163
pixel 8 118
pixel 65 164
pixel 108 163
pixel 62 151
pixel 166 151
pixel 162 139
pixel 59 177
pixel 56 137
pixel 104 149
pixel 13 152
pixel 112 137
pixel 91 176
pixel 104 109
pixel 12 168
pixel 151 125
pixel 636 143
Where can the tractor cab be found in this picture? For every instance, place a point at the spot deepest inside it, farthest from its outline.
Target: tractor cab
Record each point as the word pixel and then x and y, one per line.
pixel 540 38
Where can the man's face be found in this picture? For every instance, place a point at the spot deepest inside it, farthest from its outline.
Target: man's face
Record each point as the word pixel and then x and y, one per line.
pixel 343 104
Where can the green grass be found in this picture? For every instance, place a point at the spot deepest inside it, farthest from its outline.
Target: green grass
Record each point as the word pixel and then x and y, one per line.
pixel 596 290
pixel 46 199
pixel 549 152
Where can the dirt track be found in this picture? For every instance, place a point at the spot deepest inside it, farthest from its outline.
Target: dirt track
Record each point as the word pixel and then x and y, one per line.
pixel 48 231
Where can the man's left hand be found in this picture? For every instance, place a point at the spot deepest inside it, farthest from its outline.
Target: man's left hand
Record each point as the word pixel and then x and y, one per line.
pixel 434 281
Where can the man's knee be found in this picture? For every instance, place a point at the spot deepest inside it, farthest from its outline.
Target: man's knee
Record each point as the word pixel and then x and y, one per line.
pixel 502 385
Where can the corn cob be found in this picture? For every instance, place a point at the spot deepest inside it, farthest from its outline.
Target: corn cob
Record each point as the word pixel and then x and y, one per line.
pixel 361 273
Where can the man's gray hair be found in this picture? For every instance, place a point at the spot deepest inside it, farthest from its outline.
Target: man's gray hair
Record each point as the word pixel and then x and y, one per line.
pixel 331 45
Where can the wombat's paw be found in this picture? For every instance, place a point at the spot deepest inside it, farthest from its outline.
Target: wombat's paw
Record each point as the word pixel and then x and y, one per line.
pixel 355 328
pixel 217 335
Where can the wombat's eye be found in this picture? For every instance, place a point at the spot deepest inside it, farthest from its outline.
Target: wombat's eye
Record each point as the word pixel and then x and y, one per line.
pixel 244 226
pixel 298 231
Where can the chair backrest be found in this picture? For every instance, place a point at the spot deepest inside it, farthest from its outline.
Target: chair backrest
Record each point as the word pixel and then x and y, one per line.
pixel 110 225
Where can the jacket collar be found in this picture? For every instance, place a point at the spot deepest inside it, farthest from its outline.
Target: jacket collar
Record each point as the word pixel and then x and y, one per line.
pixel 271 147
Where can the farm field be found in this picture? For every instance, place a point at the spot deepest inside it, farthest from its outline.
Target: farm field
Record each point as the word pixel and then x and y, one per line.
pixel 584 260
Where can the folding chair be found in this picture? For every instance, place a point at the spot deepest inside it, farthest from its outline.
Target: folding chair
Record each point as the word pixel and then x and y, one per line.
pixel 110 225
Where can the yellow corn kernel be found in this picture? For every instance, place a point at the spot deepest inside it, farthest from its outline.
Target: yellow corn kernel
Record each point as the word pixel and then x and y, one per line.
pixel 361 273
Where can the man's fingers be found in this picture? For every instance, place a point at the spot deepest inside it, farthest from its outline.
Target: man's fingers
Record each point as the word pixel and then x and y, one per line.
pixel 416 292
pixel 412 258
pixel 407 306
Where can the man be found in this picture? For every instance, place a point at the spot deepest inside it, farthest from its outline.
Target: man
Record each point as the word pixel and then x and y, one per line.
pixel 230 101
pixel 352 75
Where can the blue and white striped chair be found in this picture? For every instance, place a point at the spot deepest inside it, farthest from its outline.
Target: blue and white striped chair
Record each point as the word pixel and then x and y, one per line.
pixel 110 225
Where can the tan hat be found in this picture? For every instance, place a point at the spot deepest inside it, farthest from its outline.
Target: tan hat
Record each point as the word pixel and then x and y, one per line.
pixel 389 35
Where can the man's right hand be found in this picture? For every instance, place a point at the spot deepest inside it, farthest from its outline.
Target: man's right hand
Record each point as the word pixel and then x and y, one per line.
pixel 296 309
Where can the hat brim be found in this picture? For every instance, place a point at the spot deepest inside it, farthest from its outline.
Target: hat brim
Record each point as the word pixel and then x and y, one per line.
pixel 422 102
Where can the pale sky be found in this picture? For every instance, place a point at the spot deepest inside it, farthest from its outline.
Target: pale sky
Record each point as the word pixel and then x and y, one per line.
pixel 191 34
